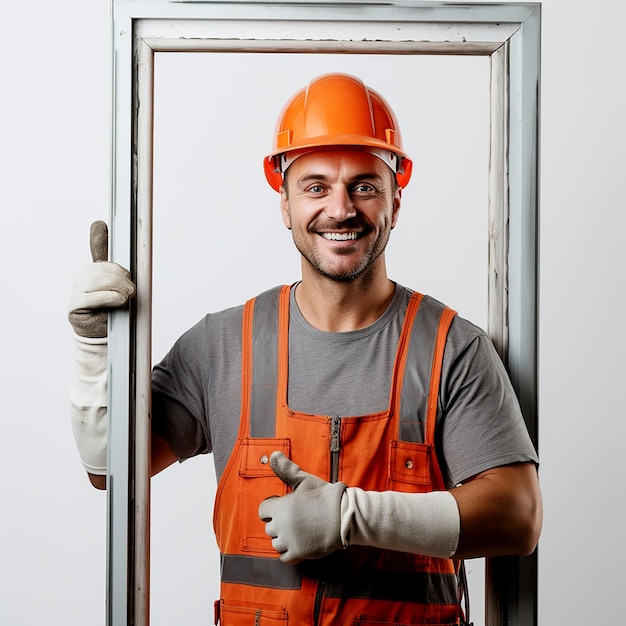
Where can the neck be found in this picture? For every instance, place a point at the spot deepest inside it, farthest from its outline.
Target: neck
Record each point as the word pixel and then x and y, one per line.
pixel 335 306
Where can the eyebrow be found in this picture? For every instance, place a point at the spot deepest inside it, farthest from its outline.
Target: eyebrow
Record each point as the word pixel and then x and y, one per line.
pixel 306 178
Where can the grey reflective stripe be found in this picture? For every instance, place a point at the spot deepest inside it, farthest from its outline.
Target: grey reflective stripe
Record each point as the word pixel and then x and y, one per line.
pixel 397 586
pixel 259 572
pixel 366 582
pixel 417 372
pixel 264 364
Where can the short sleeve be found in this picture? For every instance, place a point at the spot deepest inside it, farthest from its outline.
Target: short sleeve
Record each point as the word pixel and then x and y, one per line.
pixel 179 394
pixel 482 424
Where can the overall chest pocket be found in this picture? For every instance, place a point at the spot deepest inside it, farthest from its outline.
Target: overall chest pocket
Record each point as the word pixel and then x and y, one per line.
pixel 257 482
pixel 408 467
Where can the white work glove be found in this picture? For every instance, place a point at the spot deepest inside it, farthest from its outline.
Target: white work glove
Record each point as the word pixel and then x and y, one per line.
pixel 88 402
pixel 98 288
pixel 305 523
pixel 318 517
pixel 418 523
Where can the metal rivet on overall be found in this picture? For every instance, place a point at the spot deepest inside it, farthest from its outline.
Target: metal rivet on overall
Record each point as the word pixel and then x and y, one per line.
pixel 264 459
pixel 408 464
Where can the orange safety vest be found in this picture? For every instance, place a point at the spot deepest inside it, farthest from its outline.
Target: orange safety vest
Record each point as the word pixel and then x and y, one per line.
pixel 389 450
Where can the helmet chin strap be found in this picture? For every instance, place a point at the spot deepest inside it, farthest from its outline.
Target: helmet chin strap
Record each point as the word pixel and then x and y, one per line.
pixel 390 159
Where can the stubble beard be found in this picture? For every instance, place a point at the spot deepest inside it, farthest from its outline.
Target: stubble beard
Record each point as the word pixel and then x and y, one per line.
pixel 320 265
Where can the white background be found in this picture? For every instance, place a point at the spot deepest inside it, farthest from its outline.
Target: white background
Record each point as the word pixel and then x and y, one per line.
pixel 54 180
pixel 219 237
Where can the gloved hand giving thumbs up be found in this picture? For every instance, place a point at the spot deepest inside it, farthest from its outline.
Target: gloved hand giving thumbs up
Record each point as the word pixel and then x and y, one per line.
pixel 305 523
pixel 99 287
pixel 318 517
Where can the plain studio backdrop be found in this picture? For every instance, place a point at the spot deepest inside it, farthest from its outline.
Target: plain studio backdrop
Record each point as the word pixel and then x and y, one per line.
pixel 219 239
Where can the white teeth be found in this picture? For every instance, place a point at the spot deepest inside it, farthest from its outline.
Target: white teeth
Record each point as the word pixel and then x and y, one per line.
pixel 339 236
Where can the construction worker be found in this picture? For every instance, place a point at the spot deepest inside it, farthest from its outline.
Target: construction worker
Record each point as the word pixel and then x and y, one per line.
pixel 366 438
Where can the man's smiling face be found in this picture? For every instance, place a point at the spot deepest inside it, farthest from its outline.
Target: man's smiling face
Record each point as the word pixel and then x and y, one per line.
pixel 340 207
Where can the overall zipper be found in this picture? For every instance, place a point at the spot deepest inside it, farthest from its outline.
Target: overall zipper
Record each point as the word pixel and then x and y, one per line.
pixel 335 447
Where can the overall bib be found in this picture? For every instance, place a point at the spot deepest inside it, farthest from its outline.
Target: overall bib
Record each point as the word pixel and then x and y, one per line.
pixel 390 450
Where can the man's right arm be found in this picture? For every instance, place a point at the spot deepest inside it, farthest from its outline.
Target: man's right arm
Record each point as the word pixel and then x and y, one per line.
pixel 99 288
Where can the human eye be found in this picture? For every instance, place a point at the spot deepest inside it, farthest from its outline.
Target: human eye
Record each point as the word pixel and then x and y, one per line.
pixel 363 188
pixel 315 189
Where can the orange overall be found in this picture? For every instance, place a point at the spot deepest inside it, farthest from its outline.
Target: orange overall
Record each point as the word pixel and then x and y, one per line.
pixel 390 450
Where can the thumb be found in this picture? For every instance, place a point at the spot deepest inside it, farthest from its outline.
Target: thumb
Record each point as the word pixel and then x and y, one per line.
pixel 99 241
pixel 286 470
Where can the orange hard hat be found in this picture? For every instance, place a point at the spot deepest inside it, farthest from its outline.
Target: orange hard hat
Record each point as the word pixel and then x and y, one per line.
pixel 336 110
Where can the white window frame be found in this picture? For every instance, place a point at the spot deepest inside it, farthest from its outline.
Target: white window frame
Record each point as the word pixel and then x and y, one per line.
pixel 508 33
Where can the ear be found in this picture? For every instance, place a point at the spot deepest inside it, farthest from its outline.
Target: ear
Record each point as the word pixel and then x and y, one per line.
pixel 284 207
pixel 397 200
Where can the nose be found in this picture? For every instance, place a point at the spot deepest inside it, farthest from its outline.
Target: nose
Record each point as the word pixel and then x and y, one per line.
pixel 339 205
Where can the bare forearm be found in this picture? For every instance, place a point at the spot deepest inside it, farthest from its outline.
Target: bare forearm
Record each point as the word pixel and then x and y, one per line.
pixel 501 512
pixel 162 456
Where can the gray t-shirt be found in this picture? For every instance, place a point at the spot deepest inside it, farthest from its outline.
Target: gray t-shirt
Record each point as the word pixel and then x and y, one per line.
pixel 197 387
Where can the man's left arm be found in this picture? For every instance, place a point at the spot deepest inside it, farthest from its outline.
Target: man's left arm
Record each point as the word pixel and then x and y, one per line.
pixel 497 512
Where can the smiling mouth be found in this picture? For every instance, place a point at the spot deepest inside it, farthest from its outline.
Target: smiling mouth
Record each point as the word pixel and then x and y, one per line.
pixel 340 236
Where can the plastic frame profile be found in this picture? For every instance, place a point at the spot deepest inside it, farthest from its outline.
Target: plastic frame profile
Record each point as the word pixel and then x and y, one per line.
pixel 508 33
